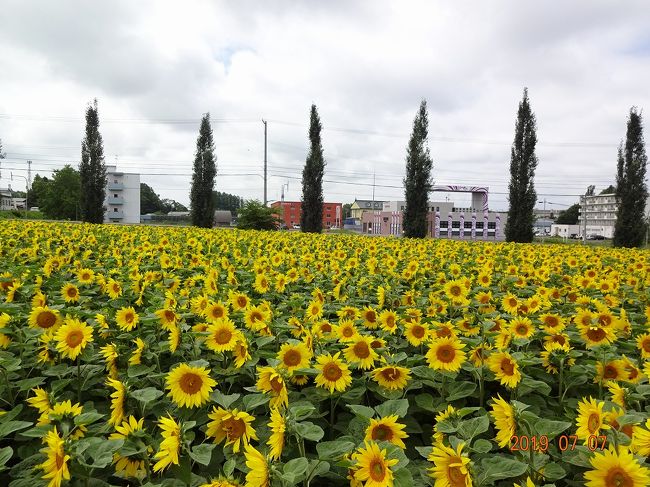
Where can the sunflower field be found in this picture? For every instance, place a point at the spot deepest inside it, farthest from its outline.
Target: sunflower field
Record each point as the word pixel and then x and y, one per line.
pixel 154 356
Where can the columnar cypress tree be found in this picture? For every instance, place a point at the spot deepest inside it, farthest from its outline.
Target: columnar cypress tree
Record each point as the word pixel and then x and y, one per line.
pixel 311 219
pixel 205 170
pixel 523 162
pixel 631 189
pixel 92 170
pixel 417 183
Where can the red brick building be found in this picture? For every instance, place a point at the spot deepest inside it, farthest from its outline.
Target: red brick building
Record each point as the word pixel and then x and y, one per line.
pixel 291 211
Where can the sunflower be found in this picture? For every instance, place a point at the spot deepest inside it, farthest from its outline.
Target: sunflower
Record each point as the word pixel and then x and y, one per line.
pixel 479 354
pixel 127 319
pixel 269 381
pixel 39 300
pixel 113 289
pixel 40 401
pixel 333 373
pixel 595 335
pixel 643 344
pixel 616 468
pixel 450 467
pixel 45 318
pixel 373 466
pixel 386 429
pixel 416 333
pixel 610 371
pixel 240 352
pixel 510 304
pixel 446 354
pixel 361 353
pixel 136 356
pixel 132 466
pixel 170 446
pixel 174 338
pixel 56 464
pixel 255 318
pixel 370 317
pixel 456 291
pixel 258 475
pixel 73 337
pixel 522 328
pixel 117 401
pixel 346 331
pixel 222 336
pixel 388 320
pixel 314 310
pixel 276 440
pixel 451 411
pixel 619 394
pixel 216 312
pixel 109 352
pixel 506 369
pixel 70 293
pixel 391 377
pixel 65 410
pixel 294 356
pixel 590 420
pixel 641 439
pixel 234 426
pixel 86 276
pixel 381 296
pixel 189 386
pixel 167 317
pixel 503 415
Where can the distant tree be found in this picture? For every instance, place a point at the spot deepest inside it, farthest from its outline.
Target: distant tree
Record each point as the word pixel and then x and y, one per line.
pixel 255 216
pixel 523 162
pixel 347 210
pixel 311 217
pixel 38 190
pixel 60 197
pixel 205 170
pixel 168 205
pixel 149 201
pixel 92 169
pixel 417 183
pixel 631 189
pixel 590 190
pixel 2 154
pixel 227 201
pixel 609 189
pixel 569 216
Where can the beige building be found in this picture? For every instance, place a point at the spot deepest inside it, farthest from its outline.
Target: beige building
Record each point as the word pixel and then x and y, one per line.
pixel 358 207
pixel 598 215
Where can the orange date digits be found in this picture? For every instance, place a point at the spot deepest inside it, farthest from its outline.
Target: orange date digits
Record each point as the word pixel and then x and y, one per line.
pixel 564 442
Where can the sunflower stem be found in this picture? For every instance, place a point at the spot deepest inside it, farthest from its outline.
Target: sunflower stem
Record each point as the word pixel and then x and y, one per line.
pixel 561 384
pixel 78 380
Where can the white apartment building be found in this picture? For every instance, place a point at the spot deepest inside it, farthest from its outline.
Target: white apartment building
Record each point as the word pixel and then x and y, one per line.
pixel 598 215
pixel 5 199
pixel 122 200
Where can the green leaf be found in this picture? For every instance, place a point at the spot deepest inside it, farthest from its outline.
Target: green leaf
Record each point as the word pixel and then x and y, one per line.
pixel 470 428
pixel 26 384
pixel 262 341
pixel 446 426
pixel 5 454
pixel 11 426
pixel 458 390
pixel 309 431
pixel 297 467
pixel 302 410
pixel 395 406
pixel 403 477
pixel 549 427
pixel 361 411
pixel 553 471
pixel 88 418
pixel 138 370
pixel 482 446
pixel 146 395
pixel 630 418
pixel 424 372
pixel 333 450
pixel 229 467
pixel 222 399
pixel 528 385
pixel 579 456
pixel 202 453
pixel 317 468
pixel 252 401
pixel 426 402
pixel 424 451
pixel 498 468
pixel 102 452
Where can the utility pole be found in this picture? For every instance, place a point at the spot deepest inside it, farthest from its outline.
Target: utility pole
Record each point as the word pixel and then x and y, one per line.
pixel 584 219
pixel 29 175
pixel 264 122
pixel 373 190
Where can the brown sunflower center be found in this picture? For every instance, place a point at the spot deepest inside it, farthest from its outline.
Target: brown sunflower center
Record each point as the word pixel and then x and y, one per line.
pixel 417 331
pixel 456 476
pixel 361 350
pixel 315 310
pixel 326 328
pixel 72 292
pixel 371 316
pixel 377 470
pixel 256 316
pixel 391 374
pixel 129 317
pixel 513 302
pixel 455 290
pixel 242 301
pixel 390 321
pixel 234 428
pixel 292 358
pixel 446 353
pixel 443 332
pixel 610 372
pixel 59 461
pixel 85 276
pixel 276 384
pixel 645 344
pixel 46 319
pixel 223 336
pixel 596 334
pixel 347 332
pixel 74 338
pixel 522 330
pixel 632 372
pixel 332 372
pixel 507 366
pixel 170 315
pixel 376 344
pixel 605 319
pixel 593 422
pixel 551 321
pixel 190 383
pixel 217 312
pixel 381 432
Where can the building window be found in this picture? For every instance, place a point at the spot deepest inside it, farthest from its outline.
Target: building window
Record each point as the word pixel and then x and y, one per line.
pixel 115 180
pixel 328 215
pixel 479 225
pixel 468 225
pixel 114 210
pixel 114 195
pixel 455 224
pixel 402 207
pixel 492 225
pixel 443 224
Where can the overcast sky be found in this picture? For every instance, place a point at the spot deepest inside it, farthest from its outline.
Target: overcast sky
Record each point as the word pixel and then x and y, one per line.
pixel 156 67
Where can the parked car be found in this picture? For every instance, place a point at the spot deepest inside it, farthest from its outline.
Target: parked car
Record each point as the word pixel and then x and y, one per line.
pixel 296 227
pixel 594 236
